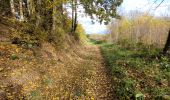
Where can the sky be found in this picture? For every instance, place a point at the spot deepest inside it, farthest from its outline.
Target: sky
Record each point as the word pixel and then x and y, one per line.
pixel 127 5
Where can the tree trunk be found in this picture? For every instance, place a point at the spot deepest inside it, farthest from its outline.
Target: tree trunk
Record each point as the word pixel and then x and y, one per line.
pixel 72 15
pixel 38 13
pixel 54 16
pixel 75 19
pixel 21 10
pixel 12 7
pixel 167 44
pixel 28 7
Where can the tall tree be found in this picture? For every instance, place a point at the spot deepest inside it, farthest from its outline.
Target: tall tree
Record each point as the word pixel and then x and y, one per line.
pixel 75 16
pixel 72 5
pixel 54 16
pixel 21 10
pixel 12 7
pixel 102 10
pixel 38 12
pixel 30 7
pixel 57 13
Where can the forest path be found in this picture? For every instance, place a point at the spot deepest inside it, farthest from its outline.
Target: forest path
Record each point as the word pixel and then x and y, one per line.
pixel 100 82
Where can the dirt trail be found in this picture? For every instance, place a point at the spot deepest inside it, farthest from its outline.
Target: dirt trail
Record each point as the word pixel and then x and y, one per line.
pixel 100 80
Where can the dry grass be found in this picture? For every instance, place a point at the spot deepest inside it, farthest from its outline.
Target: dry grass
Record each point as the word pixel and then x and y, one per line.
pixel 143 29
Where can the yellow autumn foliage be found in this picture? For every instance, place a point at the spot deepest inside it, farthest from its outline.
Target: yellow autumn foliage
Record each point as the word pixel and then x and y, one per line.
pixel 80 34
pixel 144 29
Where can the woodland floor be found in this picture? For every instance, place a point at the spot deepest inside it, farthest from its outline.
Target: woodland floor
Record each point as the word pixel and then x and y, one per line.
pixel 81 74
pixel 100 81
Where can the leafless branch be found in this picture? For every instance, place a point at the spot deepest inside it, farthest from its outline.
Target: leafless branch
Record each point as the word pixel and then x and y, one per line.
pixel 159 4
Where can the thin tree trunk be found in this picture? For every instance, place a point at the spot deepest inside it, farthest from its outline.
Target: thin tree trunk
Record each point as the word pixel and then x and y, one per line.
pixel 75 20
pixel 29 7
pixel 138 32
pixel 72 16
pixel 117 33
pixel 38 13
pixel 62 13
pixel 167 44
pixel 21 10
pixel 54 16
pixel 12 7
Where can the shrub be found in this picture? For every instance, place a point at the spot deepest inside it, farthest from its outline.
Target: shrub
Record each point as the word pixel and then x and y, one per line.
pixel 159 93
pixel 58 36
pixel 126 89
pixel 165 65
pixel 80 34
pixel 14 57
pixel 118 72
pixel 139 96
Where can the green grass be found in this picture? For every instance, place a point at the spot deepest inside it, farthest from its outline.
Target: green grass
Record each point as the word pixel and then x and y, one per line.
pixel 96 42
pixel 136 68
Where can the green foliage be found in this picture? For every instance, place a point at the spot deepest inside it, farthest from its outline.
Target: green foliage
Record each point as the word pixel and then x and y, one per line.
pixel 137 67
pixel 96 41
pixel 159 78
pixel 168 76
pixel 125 89
pixel 34 95
pixel 118 72
pixel 159 93
pixel 104 10
pixel 14 57
pixel 165 65
pixel 139 96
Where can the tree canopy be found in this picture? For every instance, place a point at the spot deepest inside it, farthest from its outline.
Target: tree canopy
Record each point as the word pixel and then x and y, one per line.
pixel 103 10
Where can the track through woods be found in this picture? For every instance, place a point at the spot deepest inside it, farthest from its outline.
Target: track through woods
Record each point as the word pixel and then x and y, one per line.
pixel 100 81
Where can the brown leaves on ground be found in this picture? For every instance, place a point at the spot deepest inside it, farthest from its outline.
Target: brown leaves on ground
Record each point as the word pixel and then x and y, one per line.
pixel 79 73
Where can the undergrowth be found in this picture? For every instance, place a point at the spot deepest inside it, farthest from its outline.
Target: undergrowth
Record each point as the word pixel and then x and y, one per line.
pixel 137 71
pixel 28 35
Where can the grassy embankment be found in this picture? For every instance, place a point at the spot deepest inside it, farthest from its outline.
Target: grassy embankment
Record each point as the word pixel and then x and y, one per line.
pixel 136 71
